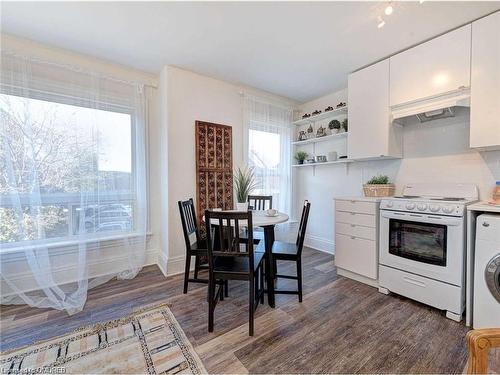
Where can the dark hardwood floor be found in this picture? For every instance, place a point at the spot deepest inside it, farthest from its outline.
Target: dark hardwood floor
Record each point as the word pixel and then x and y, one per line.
pixel 341 327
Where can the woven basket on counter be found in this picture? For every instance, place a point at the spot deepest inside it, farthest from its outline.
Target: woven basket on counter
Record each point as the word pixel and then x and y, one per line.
pixel 379 190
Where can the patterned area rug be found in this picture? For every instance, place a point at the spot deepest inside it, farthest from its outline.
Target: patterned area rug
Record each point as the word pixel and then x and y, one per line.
pixel 149 341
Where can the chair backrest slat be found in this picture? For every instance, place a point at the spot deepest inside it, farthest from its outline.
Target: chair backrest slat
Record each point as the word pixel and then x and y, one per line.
pixel 260 202
pixel 188 220
pixel 228 242
pixel 302 226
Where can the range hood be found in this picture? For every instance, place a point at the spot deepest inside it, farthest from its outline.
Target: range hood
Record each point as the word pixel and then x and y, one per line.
pixel 433 108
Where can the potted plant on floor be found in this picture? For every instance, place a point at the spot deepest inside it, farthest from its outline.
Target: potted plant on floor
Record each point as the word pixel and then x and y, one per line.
pixel 379 186
pixel 300 156
pixel 244 184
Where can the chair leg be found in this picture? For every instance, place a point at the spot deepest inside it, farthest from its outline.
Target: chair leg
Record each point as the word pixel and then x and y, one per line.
pixel 186 272
pixel 222 287
pixel 275 267
pixel 211 290
pixel 196 266
pixel 226 288
pixel 261 275
pixel 251 299
pixel 299 278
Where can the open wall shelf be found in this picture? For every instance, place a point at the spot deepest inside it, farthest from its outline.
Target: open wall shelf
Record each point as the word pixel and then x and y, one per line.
pixel 342 111
pixel 320 139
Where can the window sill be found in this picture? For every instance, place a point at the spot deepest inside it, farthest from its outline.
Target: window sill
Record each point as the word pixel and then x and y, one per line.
pixel 68 246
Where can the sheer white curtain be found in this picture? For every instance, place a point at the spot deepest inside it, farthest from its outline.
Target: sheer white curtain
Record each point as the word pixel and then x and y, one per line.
pixel 73 208
pixel 269 137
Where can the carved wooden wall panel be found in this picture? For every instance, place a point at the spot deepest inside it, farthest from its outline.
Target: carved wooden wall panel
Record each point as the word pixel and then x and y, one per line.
pixel 214 166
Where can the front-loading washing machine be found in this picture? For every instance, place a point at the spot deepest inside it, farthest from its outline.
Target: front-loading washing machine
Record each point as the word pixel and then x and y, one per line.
pixel 486 310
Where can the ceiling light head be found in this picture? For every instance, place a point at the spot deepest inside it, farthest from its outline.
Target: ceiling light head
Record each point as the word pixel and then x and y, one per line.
pixel 421 1
pixel 381 23
pixel 388 10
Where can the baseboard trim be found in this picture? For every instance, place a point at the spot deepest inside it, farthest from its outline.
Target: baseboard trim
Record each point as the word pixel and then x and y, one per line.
pixel 356 277
pixel 319 243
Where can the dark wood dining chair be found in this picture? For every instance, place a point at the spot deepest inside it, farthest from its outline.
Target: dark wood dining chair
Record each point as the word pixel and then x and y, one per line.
pixel 291 252
pixel 260 202
pixel 198 249
pixel 231 258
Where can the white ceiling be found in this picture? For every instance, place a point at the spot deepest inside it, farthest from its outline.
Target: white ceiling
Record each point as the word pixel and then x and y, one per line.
pixel 294 49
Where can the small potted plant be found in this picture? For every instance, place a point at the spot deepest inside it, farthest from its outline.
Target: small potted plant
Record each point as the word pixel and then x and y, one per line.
pixel 244 184
pixel 300 156
pixel 379 186
pixel 334 126
pixel 344 124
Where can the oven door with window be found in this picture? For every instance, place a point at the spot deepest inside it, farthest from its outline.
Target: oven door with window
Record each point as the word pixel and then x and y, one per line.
pixel 426 245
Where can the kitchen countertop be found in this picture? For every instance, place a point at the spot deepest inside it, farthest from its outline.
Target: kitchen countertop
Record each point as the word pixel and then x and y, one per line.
pixel 483 206
pixel 360 199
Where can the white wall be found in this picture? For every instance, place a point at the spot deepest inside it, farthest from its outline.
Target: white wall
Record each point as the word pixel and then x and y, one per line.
pixel 434 151
pixel 190 97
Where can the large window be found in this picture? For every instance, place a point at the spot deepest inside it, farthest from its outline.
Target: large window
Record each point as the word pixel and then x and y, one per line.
pixel 269 146
pixel 66 171
pixel 264 158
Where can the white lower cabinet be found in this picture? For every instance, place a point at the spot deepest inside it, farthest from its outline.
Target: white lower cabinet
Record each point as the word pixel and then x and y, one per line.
pixel 356 238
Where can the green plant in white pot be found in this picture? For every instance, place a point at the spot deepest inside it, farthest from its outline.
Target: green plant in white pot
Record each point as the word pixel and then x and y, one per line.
pixel 244 184
pixel 379 186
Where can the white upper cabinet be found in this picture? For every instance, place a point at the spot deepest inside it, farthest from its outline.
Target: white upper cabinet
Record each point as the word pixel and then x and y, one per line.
pixel 438 66
pixel 485 83
pixel 371 134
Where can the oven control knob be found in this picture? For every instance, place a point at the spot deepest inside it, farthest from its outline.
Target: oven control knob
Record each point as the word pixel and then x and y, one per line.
pixel 422 206
pixel 434 208
pixel 448 209
pixel 410 206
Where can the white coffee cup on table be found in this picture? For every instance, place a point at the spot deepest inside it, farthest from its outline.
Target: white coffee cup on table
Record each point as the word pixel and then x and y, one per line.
pixel 271 212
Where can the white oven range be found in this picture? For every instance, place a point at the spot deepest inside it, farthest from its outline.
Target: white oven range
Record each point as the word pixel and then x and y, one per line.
pixel 422 244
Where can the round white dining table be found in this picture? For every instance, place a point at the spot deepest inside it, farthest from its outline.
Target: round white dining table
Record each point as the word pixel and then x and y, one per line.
pixel 261 219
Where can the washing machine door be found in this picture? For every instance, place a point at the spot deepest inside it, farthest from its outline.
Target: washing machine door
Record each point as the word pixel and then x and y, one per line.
pixel 492 276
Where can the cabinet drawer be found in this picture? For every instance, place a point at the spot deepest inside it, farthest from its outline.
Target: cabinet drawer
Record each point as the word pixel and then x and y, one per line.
pixel 368 233
pixel 431 292
pixel 355 218
pixel 356 255
pixel 356 206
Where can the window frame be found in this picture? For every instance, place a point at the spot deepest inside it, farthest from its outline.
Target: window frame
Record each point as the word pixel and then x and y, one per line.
pixel 71 240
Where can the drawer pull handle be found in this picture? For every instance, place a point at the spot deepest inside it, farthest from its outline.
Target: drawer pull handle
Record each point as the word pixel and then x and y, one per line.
pixel 414 282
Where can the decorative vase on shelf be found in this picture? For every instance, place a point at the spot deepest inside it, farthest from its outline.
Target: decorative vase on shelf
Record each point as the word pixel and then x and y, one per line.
pixel 242 206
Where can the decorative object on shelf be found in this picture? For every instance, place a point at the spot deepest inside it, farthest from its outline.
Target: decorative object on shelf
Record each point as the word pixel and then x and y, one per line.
pixel 343 157
pixel 332 156
pixel 341 104
pixel 300 156
pixel 334 126
pixel 344 124
pixel 310 161
pixel 302 135
pixel 321 132
pixel 379 186
pixel 329 108
pixel 306 115
pixel 320 158
pixel 316 112
pixel 310 132
pixel 244 184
